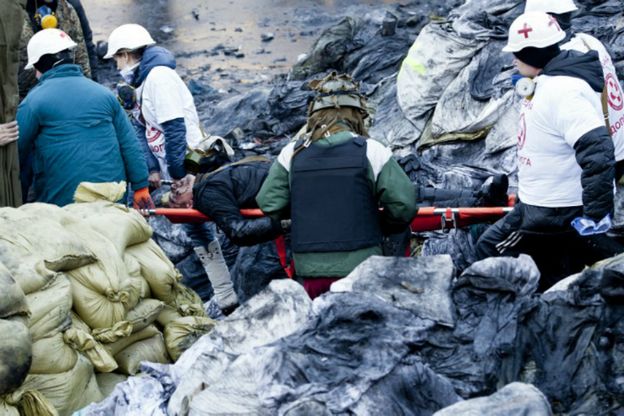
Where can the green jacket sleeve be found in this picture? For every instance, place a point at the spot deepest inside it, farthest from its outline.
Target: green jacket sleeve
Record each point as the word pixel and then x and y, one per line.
pixel 131 153
pixel 274 195
pixel 397 196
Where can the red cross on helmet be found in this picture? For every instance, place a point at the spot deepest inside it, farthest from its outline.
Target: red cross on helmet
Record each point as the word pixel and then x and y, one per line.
pixel 533 29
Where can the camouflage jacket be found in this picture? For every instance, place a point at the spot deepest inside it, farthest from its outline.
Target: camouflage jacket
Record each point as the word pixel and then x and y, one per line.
pixel 69 22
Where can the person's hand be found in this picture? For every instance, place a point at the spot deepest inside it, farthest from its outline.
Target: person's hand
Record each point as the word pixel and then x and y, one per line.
pixel 183 185
pixel 154 180
pixel 9 132
pixel 143 200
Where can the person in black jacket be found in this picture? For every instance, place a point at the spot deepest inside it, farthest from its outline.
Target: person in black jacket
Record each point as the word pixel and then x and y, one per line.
pixel 220 190
pixel 565 157
pixel 88 36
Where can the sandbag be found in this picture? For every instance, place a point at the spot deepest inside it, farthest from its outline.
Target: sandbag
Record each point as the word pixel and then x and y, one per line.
pixel 50 308
pixel 84 342
pixel 7 409
pixel 144 314
pixel 134 271
pixel 78 323
pixel 108 381
pixel 122 343
pixel 28 270
pixel 157 269
pixel 102 291
pixel 27 403
pixel 121 329
pixel 52 355
pixel 182 333
pixel 168 315
pixel 152 349
pixel 100 191
pixel 12 301
pixel 15 353
pixel 119 224
pixel 187 302
pixel 48 239
pixel 67 391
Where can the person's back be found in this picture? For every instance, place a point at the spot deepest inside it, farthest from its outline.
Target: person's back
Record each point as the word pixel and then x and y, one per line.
pixel 333 182
pixel 612 96
pixel 77 139
pixel 72 129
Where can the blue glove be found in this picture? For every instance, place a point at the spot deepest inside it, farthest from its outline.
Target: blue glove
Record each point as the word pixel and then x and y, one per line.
pixel 585 226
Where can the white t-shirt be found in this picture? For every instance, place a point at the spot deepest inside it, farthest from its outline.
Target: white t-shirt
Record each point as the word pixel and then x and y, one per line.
pixel 562 110
pixel 163 97
pixel 615 98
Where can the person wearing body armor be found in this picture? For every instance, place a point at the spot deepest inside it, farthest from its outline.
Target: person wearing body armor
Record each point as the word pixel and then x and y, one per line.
pixel 566 164
pixel 166 113
pixel 612 97
pixel 331 183
pixel 221 189
pixel 83 137
pixel 47 14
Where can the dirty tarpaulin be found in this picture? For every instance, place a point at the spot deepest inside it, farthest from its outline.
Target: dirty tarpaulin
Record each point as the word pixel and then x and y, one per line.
pixel 515 399
pixel 355 341
pixel 574 342
pixel 482 351
pixel 11 20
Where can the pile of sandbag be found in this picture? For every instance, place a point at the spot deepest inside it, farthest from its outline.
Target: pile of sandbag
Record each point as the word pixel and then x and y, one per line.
pixel 102 296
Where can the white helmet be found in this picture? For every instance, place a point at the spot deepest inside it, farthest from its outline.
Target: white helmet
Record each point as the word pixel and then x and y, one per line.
pixel 47 41
pixel 550 6
pixel 533 29
pixel 130 36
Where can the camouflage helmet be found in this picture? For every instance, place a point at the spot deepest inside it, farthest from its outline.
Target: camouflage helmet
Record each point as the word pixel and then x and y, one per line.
pixel 335 91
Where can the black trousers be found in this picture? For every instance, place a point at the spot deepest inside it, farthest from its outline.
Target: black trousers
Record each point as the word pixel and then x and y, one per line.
pixel 547 236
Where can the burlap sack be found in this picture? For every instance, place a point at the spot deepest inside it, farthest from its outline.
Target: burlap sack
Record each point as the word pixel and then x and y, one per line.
pixel 52 355
pixel 69 391
pixel 83 342
pixel 157 269
pixel 27 403
pixel 50 308
pixel 12 299
pixel 119 224
pixel 102 292
pixel 152 349
pixel 15 353
pixel 108 382
pixel 47 239
pixel 182 333
pixel 144 314
pixel 124 342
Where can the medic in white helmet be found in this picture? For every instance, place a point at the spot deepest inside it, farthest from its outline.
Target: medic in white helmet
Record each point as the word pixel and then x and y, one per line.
pixel 612 97
pixel 565 155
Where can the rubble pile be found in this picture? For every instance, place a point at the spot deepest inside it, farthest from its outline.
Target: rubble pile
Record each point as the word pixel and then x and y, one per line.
pixel 403 336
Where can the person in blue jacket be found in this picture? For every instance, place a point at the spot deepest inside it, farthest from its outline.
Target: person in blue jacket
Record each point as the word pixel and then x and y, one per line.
pixel 72 129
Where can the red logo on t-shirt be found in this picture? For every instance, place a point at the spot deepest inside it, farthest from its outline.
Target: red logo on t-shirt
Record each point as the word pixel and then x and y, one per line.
pixel 152 134
pixel 614 93
pixel 522 133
